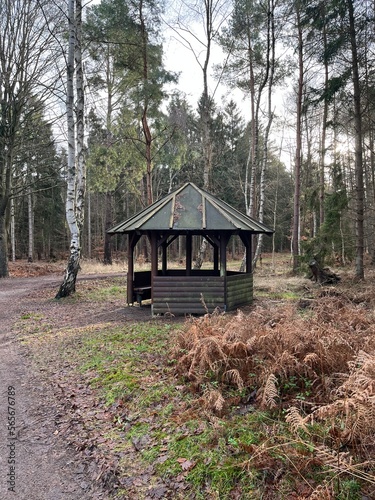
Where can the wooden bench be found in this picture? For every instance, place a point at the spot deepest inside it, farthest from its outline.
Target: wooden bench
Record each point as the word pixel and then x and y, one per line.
pixel 142 293
pixel 142 286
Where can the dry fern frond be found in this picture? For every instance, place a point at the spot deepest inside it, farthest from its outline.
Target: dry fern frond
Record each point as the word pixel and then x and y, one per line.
pixel 237 349
pixel 322 492
pixel 286 364
pixel 356 417
pixel 337 461
pixel 311 359
pixel 330 411
pixel 362 375
pixel 252 342
pixel 233 377
pixel 270 392
pixel 295 419
pixel 207 352
pixel 213 400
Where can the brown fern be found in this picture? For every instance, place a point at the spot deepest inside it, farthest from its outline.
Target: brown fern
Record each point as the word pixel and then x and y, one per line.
pixel 270 392
pixel 295 420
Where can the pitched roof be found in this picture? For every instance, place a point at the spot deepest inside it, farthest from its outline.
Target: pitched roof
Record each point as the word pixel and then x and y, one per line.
pixel 190 208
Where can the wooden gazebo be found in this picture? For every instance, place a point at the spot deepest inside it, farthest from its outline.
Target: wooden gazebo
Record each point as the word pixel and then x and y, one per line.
pixel 187 212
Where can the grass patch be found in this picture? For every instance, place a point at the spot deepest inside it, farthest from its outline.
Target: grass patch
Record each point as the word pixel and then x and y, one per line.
pixel 115 359
pixel 106 292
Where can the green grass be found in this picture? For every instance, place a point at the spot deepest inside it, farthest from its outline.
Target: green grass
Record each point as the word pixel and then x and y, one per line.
pixel 115 360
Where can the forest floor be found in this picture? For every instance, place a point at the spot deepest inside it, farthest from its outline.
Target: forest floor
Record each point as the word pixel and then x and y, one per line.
pixel 68 435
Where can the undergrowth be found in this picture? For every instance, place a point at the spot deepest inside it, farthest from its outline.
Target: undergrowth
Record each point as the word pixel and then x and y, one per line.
pixel 274 404
pixel 314 366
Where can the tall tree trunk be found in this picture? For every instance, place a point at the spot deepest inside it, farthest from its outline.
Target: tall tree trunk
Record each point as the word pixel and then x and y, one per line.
pixel 5 195
pixel 251 163
pixel 108 223
pixel 30 211
pixel 359 267
pixel 298 155
pixel 89 232
pixel 12 230
pixel 206 105
pixel 324 138
pixel 145 125
pixel 3 247
pixel 270 73
pixel 76 175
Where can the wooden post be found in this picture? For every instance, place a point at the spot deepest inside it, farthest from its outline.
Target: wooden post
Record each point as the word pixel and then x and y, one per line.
pixel 247 240
pixel 223 254
pixel 249 254
pixel 154 259
pixel 188 254
pixel 164 248
pixel 132 241
pixel 216 257
pixel 130 275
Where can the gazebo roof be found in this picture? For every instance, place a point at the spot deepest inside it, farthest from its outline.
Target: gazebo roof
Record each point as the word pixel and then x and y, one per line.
pixel 190 208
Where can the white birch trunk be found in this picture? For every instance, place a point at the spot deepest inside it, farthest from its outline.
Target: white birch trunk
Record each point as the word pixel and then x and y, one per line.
pixel 76 175
pixel 89 247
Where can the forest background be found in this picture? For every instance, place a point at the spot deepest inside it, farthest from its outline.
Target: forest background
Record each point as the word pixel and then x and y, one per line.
pixel 305 168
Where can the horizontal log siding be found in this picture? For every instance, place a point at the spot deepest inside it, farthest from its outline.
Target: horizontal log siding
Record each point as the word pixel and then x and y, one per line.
pixel 182 294
pixel 239 291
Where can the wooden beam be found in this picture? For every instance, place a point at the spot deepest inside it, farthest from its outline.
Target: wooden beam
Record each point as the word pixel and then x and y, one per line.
pixel 223 254
pixel 247 241
pixel 188 253
pixel 132 241
pixel 154 258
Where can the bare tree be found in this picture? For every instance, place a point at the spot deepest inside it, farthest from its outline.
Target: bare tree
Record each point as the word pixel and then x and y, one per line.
pixel 208 16
pixel 27 59
pixel 298 151
pixel 196 25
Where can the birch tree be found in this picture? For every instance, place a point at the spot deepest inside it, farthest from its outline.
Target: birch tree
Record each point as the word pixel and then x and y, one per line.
pixel 76 168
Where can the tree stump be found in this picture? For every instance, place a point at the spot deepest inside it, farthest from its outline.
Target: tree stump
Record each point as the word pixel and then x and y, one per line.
pixel 324 276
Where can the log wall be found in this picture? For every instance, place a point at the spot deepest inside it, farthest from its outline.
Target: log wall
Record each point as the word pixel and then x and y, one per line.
pixel 200 294
pixel 239 290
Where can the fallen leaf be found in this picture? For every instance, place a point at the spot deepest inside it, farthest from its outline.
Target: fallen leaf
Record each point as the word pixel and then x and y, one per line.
pixel 188 465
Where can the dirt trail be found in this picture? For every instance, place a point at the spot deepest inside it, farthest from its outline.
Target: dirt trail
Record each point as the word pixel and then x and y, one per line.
pixel 44 468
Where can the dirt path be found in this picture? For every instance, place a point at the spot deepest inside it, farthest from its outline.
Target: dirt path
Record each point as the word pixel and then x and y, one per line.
pixel 33 462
